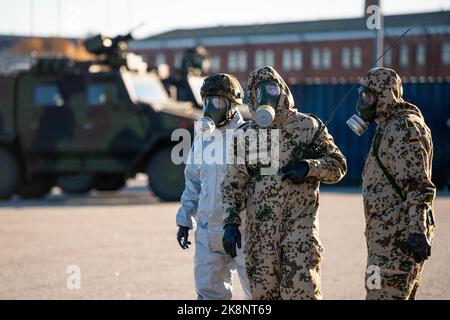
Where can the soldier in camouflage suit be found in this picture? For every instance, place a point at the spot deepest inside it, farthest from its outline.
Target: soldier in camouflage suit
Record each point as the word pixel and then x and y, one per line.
pixel 398 199
pixel 283 250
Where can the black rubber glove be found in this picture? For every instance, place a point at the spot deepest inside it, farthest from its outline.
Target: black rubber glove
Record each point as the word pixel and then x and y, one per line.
pixel 182 237
pixel 419 247
pixel 231 238
pixel 296 172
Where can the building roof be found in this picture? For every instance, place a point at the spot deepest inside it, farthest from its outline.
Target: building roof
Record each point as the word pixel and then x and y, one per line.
pixel 405 20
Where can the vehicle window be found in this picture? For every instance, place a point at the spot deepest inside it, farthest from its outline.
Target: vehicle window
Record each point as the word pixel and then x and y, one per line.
pixel 146 88
pixel 100 94
pixel 196 84
pixel 47 95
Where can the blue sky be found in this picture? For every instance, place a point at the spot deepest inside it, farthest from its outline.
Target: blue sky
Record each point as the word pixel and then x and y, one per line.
pixel 81 17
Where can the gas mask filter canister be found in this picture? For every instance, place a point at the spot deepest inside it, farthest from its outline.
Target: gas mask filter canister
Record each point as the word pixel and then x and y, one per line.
pixel 267 95
pixel 366 109
pixel 264 116
pixel 357 124
pixel 205 126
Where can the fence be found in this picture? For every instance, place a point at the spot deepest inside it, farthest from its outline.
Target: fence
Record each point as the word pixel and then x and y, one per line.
pixel 433 99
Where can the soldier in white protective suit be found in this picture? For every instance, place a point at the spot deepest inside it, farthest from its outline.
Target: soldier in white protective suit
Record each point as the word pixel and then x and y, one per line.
pixel 202 198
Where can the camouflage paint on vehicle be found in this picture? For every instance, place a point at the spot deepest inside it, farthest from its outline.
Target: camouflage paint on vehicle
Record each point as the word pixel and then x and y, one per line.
pixel 91 117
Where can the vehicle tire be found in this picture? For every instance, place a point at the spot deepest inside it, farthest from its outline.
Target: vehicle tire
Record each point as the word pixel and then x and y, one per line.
pixel 109 182
pixel 165 179
pixel 76 183
pixel 37 188
pixel 8 174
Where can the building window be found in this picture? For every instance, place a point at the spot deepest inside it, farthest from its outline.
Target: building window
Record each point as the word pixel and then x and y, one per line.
pixel 315 58
pixel 232 61
pixel 160 59
pixel 242 61
pixel 178 60
pixel 287 61
pixel 326 58
pixel 264 58
pixel 404 55
pixel 259 59
pixel 292 59
pixel 214 63
pixel 357 57
pixel 445 53
pixel 387 58
pixel 420 54
pixel 298 59
pixel 345 58
pixel 270 58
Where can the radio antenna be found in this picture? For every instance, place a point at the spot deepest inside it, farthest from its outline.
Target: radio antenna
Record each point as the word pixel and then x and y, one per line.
pixel 335 109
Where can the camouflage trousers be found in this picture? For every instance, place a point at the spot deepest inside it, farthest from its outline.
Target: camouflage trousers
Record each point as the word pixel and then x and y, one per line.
pixel 399 279
pixel 399 272
pixel 289 271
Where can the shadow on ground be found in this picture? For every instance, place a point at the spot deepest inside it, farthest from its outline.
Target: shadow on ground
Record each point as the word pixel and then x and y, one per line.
pixel 134 195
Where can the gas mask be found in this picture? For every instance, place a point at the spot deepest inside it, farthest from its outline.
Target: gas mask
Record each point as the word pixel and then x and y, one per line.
pixel 366 109
pixel 215 113
pixel 267 96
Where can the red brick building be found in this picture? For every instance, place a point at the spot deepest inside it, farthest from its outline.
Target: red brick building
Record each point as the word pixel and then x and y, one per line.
pixel 314 51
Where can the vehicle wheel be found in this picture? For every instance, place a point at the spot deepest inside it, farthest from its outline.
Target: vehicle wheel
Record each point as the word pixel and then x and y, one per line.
pixel 37 188
pixel 76 183
pixel 109 182
pixel 166 179
pixel 8 174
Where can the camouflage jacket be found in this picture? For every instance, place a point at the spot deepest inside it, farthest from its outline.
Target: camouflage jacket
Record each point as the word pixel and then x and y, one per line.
pixel 266 196
pixel 405 149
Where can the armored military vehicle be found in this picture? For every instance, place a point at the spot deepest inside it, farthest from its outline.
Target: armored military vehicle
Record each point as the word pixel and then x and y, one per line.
pixel 89 124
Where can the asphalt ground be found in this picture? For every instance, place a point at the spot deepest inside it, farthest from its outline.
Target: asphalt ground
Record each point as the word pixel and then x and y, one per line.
pixel 123 246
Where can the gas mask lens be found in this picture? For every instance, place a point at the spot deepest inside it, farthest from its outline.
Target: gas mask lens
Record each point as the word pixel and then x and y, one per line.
pixel 215 102
pixel 215 109
pixel 367 97
pixel 367 103
pixel 271 88
pixel 267 95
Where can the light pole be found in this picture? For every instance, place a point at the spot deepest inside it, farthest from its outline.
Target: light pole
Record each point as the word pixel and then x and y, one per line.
pixel 379 38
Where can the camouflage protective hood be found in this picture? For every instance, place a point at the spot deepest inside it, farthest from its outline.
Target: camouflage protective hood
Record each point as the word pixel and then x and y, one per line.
pixel 285 109
pixel 388 86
